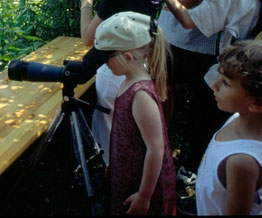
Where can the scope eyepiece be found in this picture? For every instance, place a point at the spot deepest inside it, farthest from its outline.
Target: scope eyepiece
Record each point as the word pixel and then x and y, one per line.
pixel 17 70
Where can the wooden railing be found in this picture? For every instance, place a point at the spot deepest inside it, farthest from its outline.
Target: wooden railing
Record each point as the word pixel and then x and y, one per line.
pixel 27 108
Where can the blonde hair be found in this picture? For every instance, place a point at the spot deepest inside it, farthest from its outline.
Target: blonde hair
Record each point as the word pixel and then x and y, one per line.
pixel 244 60
pixel 154 54
pixel 153 57
pixel 157 64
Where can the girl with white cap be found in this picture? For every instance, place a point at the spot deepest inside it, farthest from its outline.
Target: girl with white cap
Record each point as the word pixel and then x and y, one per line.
pixel 141 171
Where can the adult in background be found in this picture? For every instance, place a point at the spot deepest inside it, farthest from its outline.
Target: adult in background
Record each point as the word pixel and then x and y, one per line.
pixel 197 30
pixel 107 84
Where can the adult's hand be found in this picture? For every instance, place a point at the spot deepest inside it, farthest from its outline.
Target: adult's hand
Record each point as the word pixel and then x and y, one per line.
pixel 181 12
pixel 190 3
pixel 88 23
pixel 86 2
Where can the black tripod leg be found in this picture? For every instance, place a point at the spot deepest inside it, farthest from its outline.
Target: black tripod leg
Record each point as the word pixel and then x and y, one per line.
pixel 87 134
pixel 79 151
pixel 47 138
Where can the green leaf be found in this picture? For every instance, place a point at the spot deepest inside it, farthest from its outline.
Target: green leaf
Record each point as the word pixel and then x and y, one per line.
pixel 31 38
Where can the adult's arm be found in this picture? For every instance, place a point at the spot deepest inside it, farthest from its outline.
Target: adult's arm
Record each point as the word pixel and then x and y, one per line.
pixel 205 16
pixel 88 24
pixel 238 18
pixel 179 8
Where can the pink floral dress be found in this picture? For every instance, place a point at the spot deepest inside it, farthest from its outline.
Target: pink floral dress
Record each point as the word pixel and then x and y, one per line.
pixel 127 153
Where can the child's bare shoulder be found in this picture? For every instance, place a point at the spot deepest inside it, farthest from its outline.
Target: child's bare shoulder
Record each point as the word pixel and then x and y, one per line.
pixel 243 164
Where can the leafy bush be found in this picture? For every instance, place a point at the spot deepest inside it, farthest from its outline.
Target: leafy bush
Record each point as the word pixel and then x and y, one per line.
pixel 27 24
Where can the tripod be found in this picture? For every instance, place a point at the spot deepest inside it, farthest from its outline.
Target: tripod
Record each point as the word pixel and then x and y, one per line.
pixel 85 149
pixel 81 135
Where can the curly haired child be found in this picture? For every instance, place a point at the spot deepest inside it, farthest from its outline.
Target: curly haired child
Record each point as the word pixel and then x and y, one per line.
pixel 229 177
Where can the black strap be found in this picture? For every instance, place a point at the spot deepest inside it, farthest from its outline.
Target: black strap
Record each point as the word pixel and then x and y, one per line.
pixel 153 27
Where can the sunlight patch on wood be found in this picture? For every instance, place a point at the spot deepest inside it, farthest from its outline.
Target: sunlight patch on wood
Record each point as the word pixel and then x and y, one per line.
pixel 46 89
pixel 28 121
pixel 16 87
pixel 3 86
pixel 3 105
pixel 42 115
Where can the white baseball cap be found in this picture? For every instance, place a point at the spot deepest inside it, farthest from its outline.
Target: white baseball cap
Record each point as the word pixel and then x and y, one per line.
pixel 122 31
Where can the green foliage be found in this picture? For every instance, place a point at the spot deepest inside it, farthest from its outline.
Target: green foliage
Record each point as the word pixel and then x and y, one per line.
pixel 26 25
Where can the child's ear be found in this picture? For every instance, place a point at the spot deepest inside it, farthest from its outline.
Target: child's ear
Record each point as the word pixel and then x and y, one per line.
pixel 256 108
pixel 129 57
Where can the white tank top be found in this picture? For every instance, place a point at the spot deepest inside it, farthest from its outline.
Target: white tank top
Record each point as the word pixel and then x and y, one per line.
pixel 210 193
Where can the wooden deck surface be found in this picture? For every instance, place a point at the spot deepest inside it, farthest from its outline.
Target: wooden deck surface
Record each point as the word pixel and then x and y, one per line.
pixel 27 108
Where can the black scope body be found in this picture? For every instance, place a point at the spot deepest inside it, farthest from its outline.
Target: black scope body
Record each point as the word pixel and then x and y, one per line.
pixel 37 72
pixel 75 72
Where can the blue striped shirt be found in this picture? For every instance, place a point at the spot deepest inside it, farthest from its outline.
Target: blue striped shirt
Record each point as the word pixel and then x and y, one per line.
pixel 188 39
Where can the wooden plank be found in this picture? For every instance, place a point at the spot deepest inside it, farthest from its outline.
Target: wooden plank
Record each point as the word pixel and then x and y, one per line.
pixel 27 108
